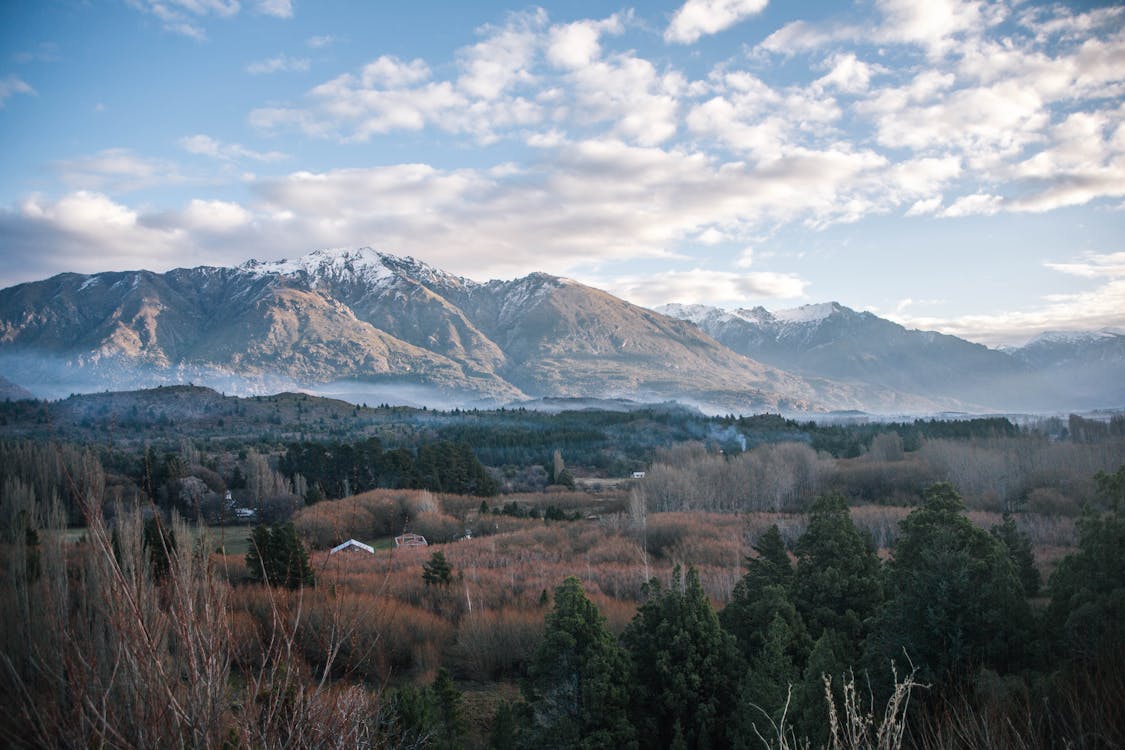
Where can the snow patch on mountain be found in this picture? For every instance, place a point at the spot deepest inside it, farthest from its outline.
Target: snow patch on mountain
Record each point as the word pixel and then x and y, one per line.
pixel 807 313
pixel 1048 338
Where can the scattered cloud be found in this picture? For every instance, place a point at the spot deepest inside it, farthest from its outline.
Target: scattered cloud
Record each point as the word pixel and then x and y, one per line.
pixel 47 52
pixel 320 42
pixel 276 8
pixel 697 18
pixel 699 286
pixel 1090 309
pixel 205 145
pixel 11 85
pixel 184 17
pixel 279 64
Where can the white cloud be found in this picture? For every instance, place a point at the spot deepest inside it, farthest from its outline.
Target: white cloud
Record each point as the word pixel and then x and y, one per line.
pixel 279 64
pixel 1094 266
pixel 503 59
pixel 119 169
pixel 320 41
pixel 387 71
pixel 214 216
pixel 699 286
pixel 575 45
pixel 973 205
pixel 86 232
pixel 205 145
pixel 802 36
pixel 276 8
pixel 695 18
pixel 1091 309
pixel 10 86
pixel 925 207
pixel 389 94
pixel 628 92
pixel 1084 161
pixel 933 24
pixel 848 74
pixel 183 16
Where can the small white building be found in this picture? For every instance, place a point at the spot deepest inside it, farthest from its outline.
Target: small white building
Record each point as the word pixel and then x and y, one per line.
pixel 638 475
pixel 353 545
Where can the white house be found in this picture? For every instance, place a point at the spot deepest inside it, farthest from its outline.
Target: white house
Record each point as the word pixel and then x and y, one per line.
pixel 352 544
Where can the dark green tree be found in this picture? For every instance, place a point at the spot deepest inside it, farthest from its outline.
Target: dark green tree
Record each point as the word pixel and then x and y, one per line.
pixel 449 722
pixel 578 686
pixel 159 542
pixel 762 594
pixel 437 571
pixel 954 600
pixel 686 668
pixel 277 557
pixel 837 584
pixel 1019 549
pixel 765 686
pixel 809 711
pixel 1087 611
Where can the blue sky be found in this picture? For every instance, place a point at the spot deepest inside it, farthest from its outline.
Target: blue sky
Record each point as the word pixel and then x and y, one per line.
pixel 954 165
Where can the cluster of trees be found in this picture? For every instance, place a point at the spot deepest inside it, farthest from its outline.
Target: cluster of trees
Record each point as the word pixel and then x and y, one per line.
pixel 334 470
pixel 951 609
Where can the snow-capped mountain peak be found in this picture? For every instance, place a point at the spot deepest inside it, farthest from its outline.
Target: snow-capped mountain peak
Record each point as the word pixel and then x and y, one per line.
pixel 1073 337
pixel 362 265
pixel 808 313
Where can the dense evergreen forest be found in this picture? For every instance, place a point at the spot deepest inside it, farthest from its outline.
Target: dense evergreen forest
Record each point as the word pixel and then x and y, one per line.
pixel 759 582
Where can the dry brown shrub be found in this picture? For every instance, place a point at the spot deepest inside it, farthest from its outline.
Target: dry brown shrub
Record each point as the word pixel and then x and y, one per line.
pixel 437 527
pixel 411 640
pixel 1051 502
pixel 497 643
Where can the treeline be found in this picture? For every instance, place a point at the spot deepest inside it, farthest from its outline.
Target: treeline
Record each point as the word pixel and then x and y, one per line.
pixel 1025 472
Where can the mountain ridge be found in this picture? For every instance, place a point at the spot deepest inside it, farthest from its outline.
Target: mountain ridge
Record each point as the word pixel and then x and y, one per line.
pixel 373 320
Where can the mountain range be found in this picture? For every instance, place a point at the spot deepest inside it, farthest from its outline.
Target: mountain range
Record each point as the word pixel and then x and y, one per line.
pixel 377 327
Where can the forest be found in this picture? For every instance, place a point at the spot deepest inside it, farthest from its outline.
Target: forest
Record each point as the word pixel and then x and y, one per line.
pixel 646 578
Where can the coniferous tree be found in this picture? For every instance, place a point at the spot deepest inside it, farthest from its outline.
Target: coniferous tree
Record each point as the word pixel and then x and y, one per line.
pixel 1019 549
pixel 1087 611
pixel 828 658
pixel 437 571
pixel 762 594
pixel 686 668
pixel 766 684
pixel 449 722
pixel 837 583
pixel 954 599
pixel 578 689
pixel 276 557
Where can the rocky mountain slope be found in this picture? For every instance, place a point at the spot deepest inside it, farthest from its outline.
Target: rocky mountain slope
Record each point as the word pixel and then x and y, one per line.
pixel 361 315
